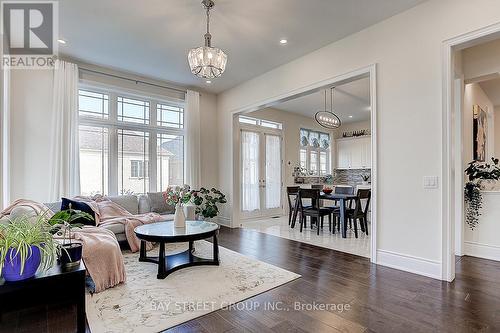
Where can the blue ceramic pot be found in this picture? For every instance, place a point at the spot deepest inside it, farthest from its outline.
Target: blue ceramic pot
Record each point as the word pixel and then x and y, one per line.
pixel 12 268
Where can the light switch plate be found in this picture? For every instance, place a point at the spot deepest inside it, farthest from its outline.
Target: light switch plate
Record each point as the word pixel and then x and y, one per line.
pixel 431 182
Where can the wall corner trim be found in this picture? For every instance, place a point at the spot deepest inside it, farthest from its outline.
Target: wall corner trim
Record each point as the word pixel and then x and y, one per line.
pixel 416 265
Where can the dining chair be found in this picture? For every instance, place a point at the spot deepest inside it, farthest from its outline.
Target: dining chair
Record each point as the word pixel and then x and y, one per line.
pixel 318 187
pixel 359 212
pixel 336 208
pixel 292 193
pixel 315 211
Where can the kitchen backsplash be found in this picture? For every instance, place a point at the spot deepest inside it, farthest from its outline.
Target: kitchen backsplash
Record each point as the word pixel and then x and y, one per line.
pixel 350 176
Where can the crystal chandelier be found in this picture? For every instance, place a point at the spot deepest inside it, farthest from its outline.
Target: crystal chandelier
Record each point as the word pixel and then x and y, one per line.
pixel 206 61
pixel 326 118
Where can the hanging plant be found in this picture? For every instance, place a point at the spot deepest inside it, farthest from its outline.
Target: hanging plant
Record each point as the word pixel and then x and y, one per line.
pixel 477 172
pixel 473 203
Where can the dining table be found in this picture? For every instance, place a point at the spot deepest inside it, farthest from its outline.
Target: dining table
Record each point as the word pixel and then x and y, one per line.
pixel 342 199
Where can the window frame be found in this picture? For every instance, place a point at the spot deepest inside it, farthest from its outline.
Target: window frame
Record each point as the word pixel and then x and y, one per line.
pixel 113 124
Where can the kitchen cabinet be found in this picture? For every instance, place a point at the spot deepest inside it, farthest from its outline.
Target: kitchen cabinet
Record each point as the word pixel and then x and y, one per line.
pixel 354 153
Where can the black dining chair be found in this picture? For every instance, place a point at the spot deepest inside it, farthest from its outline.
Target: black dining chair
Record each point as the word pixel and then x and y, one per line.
pixel 336 208
pixel 292 193
pixel 320 188
pixel 314 212
pixel 359 212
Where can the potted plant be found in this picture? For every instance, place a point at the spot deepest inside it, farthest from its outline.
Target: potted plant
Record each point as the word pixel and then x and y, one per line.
pixel 478 173
pixel 62 223
pixel 26 244
pixel 178 196
pixel 206 202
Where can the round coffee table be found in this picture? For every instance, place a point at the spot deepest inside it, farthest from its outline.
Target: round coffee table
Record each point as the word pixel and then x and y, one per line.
pixel 166 232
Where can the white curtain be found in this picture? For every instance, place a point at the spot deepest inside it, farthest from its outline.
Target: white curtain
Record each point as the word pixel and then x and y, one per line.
pixel 250 171
pixel 192 140
pixel 4 139
pixel 273 171
pixel 64 156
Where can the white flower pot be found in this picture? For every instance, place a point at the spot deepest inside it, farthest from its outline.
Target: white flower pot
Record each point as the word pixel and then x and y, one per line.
pixel 179 217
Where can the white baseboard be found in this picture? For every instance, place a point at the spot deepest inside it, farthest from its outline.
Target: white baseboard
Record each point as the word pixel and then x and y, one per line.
pixel 225 221
pixel 421 266
pixel 480 250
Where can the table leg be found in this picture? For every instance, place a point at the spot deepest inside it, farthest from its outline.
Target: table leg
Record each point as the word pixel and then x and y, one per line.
pixel 342 218
pixel 161 262
pixel 216 248
pixel 142 251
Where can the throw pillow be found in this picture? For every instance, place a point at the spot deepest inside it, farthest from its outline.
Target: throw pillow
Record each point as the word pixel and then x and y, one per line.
pixel 79 205
pixel 158 204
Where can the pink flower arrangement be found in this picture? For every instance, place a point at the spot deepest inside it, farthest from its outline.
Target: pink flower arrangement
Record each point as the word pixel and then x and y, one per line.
pixel 175 195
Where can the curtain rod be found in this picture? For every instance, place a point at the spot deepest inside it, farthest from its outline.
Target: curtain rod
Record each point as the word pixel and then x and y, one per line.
pixel 129 79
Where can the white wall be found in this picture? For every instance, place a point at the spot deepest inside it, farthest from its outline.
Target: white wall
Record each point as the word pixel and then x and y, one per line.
pixel 481 60
pixel 30 111
pixel 497 132
pixel 407 49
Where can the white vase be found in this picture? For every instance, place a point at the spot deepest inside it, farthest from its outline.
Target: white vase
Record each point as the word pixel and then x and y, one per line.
pixel 190 212
pixel 179 217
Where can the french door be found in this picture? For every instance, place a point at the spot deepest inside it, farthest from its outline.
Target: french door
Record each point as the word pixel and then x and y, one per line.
pixel 261 173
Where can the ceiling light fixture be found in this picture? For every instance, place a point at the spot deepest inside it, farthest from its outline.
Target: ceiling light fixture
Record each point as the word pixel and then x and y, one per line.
pixel 61 41
pixel 208 81
pixel 350 116
pixel 206 61
pixel 283 41
pixel 326 118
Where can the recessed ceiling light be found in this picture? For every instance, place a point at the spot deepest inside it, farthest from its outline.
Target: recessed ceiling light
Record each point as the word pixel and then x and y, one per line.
pixel 208 81
pixel 61 41
pixel 283 41
pixel 350 116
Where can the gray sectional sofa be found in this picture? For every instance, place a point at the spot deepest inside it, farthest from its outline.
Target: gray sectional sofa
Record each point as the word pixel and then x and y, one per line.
pixel 134 204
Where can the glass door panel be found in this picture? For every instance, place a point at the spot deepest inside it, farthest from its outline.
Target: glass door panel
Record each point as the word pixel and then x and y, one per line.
pixel 273 172
pixel 250 171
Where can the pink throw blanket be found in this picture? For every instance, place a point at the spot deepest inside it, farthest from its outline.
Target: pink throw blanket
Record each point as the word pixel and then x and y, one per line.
pixel 107 212
pixel 101 252
pixel 102 256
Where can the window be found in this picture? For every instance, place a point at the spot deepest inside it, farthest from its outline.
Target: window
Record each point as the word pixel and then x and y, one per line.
pixel 170 159
pixel 138 169
pixel 129 145
pixel 133 110
pixel 94 156
pixel 314 153
pixel 170 116
pixel 259 122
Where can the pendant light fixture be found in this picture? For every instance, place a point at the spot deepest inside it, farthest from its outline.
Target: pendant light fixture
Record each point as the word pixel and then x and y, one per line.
pixel 206 61
pixel 326 118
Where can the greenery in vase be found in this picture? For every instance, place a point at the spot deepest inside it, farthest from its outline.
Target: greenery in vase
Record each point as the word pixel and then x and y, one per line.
pixel 476 173
pixel 23 232
pixel 63 222
pixel 206 201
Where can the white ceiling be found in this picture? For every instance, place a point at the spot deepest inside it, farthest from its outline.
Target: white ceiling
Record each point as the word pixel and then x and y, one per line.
pixel 152 37
pixel 492 89
pixel 350 99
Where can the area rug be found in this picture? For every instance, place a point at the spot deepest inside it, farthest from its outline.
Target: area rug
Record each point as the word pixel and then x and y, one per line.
pixel 146 304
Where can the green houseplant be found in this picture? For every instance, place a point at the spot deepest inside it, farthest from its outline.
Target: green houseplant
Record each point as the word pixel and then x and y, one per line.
pixel 477 173
pixel 26 243
pixel 206 201
pixel 62 224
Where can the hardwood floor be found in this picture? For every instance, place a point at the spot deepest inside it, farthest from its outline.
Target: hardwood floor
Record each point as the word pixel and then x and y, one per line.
pixel 374 298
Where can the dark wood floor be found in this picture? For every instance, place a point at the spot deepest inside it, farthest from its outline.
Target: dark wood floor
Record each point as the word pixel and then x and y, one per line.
pixel 379 299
